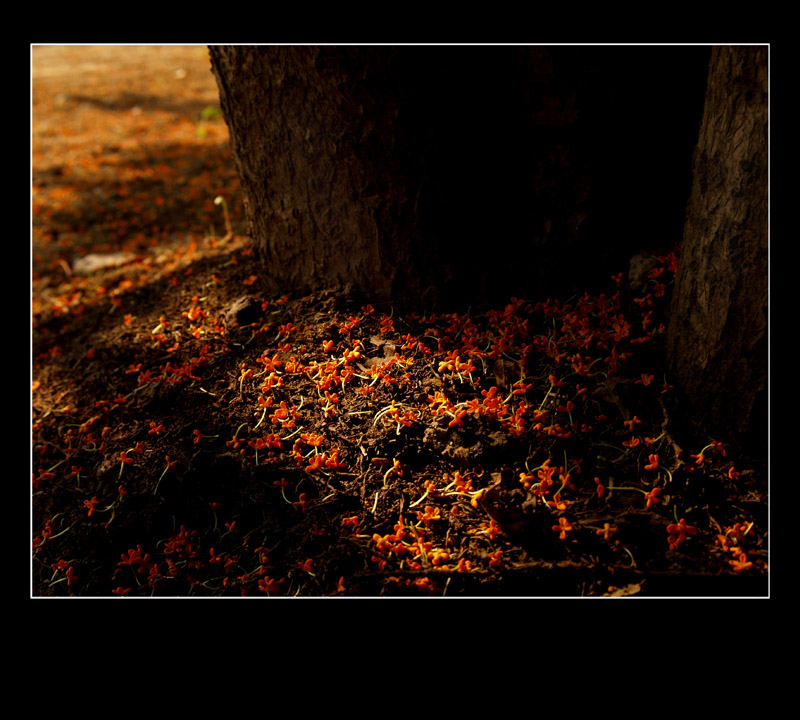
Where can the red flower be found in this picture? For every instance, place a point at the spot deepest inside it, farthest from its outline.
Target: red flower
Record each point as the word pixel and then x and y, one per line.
pixel 600 489
pixel 269 585
pixel 71 576
pixel 134 556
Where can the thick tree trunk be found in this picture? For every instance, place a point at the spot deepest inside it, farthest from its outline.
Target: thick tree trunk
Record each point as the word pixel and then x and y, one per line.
pixel 717 339
pixel 331 178
pixel 458 174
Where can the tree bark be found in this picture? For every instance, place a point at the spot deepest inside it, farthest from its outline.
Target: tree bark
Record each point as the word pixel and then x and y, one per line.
pixel 331 190
pixel 717 338
pixel 457 174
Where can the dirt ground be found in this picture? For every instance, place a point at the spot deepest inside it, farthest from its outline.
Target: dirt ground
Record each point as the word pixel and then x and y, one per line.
pixel 192 437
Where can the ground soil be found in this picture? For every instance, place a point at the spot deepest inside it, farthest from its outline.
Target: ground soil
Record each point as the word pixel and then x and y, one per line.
pixel 192 437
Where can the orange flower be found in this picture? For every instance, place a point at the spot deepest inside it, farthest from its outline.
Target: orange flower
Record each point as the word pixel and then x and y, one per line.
pixel 741 564
pixel 600 488
pixel 464 565
pixel 653 464
pixel 607 531
pixel 91 505
pixel 496 560
pixel 678 533
pixel 438 556
pixel 316 462
pixel 431 513
pixel 563 528
pixel 630 423
pixel 458 416
pixel 493 530
pixel 269 585
pixel 303 502
pixel 306 566
pixel 652 497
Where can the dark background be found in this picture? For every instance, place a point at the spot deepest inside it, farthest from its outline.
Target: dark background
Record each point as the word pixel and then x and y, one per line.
pixel 564 160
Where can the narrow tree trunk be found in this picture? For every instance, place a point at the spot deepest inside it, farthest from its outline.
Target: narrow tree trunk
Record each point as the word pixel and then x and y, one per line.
pixel 717 341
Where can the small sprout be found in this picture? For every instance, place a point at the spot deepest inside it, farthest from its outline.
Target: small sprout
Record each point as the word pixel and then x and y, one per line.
pixel 219 200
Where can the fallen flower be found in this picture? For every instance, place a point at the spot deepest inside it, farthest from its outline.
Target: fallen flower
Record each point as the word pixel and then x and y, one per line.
pixel 607 531
pixel 91 505
pixel 652 497
pixel 680 531
pixel 496 560
pixel 306 566
pixel 134 556
pixel 71 577
pixel 631 423
pixel 600 488
pixel 269 585
pixel 741 564
pixel 302 502
pixel 431 513
pixel 563 527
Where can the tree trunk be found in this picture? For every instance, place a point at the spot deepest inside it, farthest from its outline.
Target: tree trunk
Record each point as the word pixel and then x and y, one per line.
pixel 717 340
pixel 458 174
pixel 330 182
